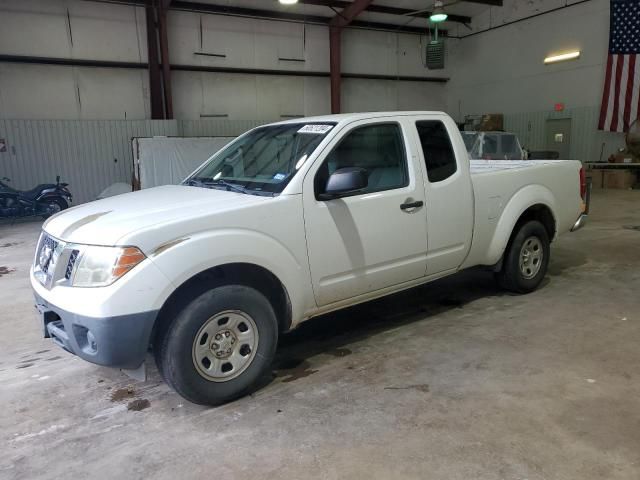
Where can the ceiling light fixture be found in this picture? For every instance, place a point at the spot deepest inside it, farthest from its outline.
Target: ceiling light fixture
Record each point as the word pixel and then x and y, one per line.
pixel 561 57
pixel 438 15
pixel 288 2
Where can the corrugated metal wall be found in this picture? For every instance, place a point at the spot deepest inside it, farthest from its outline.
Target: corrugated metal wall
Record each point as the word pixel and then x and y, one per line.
pixel 89 155
pixel 93 154
pixel 587 142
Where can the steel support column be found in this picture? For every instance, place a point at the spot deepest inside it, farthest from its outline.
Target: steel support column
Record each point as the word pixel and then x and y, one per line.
pixel 335 35
pixel 336 25
pixel 164 52
pixel 155 78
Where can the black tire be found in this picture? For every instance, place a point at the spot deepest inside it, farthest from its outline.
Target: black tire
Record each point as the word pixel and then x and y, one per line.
pixel 511 277
pixel 174 352
pixel 61 202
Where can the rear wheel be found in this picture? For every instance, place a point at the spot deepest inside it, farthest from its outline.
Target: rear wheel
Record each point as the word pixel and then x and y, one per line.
pixel 220 346
pixel 526 258
pixel 53 206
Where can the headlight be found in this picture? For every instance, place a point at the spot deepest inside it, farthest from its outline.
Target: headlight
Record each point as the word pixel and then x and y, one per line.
pixel 101 266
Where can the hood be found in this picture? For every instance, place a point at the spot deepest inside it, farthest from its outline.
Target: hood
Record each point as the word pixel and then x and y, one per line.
pixel 105 222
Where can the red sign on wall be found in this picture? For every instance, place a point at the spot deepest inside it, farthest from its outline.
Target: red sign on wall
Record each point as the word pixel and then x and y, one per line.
pixel 558 107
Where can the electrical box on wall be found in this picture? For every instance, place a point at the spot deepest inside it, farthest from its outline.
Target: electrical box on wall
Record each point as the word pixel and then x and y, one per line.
pixel 435 55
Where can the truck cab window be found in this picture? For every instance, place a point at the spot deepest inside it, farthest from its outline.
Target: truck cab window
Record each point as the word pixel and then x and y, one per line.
pixel 378 149
pixel 436 147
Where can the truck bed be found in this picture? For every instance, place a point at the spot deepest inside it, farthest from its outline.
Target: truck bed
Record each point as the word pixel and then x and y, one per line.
pixel 486 166
pixel 555 183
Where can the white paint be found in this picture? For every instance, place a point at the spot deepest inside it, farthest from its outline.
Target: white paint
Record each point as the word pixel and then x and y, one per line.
pixel 290 234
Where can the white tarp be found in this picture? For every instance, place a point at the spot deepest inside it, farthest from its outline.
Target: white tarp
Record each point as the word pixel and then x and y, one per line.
pixel 168 160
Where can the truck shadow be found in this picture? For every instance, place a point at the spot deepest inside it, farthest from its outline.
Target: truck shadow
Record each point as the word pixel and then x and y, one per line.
pixel 331 334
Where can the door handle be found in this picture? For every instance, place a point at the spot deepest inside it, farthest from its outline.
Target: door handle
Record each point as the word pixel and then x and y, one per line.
pixel 410 205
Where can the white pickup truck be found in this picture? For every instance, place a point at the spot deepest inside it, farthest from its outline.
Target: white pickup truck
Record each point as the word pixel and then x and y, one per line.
pixel 289 221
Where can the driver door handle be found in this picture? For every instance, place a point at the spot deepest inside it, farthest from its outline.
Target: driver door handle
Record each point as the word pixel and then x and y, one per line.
pixel 410 205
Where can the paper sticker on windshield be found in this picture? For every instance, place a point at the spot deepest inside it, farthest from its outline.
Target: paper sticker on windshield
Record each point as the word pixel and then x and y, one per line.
pixel 317 129
pixel 279 176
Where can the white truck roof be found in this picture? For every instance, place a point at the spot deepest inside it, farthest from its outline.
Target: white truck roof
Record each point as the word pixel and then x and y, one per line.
pixel 340 117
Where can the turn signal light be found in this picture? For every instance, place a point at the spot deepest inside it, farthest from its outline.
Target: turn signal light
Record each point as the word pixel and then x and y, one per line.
pixel 129 258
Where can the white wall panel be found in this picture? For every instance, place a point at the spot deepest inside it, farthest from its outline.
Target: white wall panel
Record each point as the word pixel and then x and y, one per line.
pixel 107 93
pixel 317 94
pixel 230 36
pixel 503 71
pixel 34 27
pixel 102 32
pixel 112 32
pixel 279 96
pixel 379 95
pixel 230 94
pixel 37 91
pixel 188 96
pixel 183 32
pixel 90 31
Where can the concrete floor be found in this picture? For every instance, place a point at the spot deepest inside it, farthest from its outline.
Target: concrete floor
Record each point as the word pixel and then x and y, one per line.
pixel 454 380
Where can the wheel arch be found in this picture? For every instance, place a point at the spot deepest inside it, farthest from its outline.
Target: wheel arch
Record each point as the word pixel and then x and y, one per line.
pixel 534 202
pixel 247 274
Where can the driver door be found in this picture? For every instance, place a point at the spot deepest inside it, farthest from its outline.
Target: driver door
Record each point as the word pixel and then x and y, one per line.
pixel 365 242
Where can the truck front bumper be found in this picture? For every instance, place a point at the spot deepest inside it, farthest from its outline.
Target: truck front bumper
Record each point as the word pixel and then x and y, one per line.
pixel 119 341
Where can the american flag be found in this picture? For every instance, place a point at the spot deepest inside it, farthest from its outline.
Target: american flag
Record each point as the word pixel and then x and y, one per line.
pixel 620 99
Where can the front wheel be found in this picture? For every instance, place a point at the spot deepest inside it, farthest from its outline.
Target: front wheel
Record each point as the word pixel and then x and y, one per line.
pixel 220 346
pixel 526 258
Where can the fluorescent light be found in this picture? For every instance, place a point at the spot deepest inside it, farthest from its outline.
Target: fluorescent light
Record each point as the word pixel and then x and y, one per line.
pixel 562 57
pixel 288 2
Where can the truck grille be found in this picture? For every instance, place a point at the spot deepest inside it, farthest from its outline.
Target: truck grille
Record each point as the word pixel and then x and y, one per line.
pixel 70 264
pixel 54 262
pixel 46 250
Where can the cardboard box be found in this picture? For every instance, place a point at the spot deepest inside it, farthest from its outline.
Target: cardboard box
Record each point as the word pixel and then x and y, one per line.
pixel 596 176
pixel 619 179
pixel 623 158
pixel 492 122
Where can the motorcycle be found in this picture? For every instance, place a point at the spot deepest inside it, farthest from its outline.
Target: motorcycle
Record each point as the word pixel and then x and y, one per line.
pixel 44 200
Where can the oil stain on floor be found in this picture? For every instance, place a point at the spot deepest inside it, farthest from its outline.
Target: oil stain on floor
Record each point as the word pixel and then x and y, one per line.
pixel 138 404
pixel 6 270
pixel 292 369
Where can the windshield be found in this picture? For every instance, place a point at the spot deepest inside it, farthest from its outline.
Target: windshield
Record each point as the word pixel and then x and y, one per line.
pixel 264 160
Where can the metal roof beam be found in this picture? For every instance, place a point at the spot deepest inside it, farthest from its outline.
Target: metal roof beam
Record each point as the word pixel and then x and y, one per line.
pixel 389 10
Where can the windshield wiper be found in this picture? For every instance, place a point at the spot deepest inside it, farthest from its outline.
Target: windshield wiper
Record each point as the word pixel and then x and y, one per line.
pixel 196 182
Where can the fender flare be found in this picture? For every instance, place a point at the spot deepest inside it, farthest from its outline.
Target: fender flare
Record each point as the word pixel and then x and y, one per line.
pixel 183 259
pixel 518 204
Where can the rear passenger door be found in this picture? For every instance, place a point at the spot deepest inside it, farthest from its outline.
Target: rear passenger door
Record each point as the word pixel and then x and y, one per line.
pixel 366 241
pixel 448 191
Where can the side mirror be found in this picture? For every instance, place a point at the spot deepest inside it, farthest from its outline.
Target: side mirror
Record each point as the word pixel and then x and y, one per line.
pixel 345 181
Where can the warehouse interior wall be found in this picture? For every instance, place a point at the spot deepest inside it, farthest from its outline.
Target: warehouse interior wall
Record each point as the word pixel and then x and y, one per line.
pixel 503 69
pixel 500 68
pixel 496 67
pixel 76 29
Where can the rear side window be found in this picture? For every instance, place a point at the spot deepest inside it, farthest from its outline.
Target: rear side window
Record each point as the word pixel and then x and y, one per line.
pixel 437 150
pixel 379 149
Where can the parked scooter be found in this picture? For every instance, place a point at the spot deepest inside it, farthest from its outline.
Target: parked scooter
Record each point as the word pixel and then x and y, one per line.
pixel 43 200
